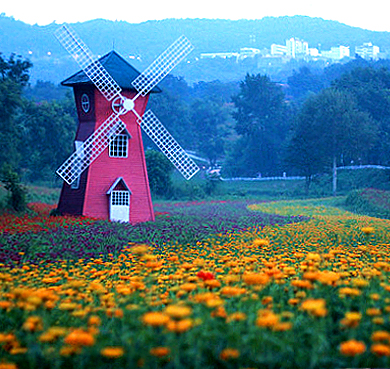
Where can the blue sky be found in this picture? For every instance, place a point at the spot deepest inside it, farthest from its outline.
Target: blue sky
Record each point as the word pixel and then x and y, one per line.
pixel 372 15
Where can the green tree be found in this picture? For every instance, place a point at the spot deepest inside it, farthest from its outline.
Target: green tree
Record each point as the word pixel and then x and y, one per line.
pixel 17 193
pixel 371 89
pixel 261 121
pixel 329 126
pixel 159 173
pixel 13 77
pixel 48 134
pixel 208 119
pixel 303 83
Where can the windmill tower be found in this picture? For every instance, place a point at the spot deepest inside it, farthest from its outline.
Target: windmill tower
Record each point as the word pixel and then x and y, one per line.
pixel 106 176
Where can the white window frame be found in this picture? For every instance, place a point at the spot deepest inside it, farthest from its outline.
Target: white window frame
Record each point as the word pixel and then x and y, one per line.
pixel 119 146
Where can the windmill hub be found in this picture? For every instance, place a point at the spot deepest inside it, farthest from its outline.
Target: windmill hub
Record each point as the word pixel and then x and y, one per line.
pixel 121 105
pixel 128 104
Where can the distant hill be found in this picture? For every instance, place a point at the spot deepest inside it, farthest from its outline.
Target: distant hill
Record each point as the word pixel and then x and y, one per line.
pixel 147 40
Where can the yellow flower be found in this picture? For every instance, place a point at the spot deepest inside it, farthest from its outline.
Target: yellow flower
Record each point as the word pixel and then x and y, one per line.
pixel 229 353
pixel 352 347
pixel 112 352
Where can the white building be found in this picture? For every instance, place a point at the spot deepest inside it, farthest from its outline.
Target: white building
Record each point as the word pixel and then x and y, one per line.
pixel 297 47
pixel 336 53
pixel 278 50
pixel 367 51
pixel 248 52
pixel 219 55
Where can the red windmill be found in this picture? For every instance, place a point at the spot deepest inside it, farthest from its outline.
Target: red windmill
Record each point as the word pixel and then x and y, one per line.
pixel 106 176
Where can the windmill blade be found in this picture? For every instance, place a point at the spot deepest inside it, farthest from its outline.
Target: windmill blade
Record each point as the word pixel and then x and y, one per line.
pixel 175 53
pixel 168 145
pixel 88 62
pixel 91 148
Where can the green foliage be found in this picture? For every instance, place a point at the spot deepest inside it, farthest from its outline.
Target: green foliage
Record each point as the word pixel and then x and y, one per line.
pixel 371 88
pixel 16 199
pixel 48 134
pixel 159 173
pixel 261 120
pixel 372 202
pixel 13 76
pixel 329 126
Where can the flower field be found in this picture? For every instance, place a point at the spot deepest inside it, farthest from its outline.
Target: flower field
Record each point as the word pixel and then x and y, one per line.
pixel 297 284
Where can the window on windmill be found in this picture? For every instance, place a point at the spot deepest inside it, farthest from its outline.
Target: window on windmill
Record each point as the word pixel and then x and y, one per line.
pixel 119 146
pixel 120 198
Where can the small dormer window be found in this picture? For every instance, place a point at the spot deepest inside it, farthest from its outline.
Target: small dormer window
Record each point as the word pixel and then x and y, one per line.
pixel 119 146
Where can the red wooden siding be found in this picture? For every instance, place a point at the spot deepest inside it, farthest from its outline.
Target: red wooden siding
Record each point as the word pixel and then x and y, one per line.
pixel 105 170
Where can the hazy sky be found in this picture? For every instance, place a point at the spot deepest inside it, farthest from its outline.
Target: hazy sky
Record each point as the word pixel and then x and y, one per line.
pixel 373 15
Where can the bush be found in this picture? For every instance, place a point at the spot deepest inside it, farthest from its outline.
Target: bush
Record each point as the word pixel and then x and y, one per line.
pixel 372 202
pixel 16 199
pixel 159 173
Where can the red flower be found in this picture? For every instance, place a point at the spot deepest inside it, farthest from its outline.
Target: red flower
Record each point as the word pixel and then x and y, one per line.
pixel 205 275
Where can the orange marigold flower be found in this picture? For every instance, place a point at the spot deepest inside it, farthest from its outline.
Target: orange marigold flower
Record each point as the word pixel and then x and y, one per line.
pixel 213 283
pixel 229 353
pixel 155 318
pixel 160 351
pixel 255 279
pixel 180 326
pixel 259 242
pixel 236 317
pixel 379 349
pixel 112 352
pixel 348 291
pixel 368 230
pixel 5 365
pixel 94 320
pixel 79 337
pixel 282 326
pixel 267 319
pixel 302 284
pixel 373 312
pixel 315 307
pixel 188 287
pixel 352 347
pixel 351 319
pixel 178 311
pixel 232 291
pixel 380 336
pixel 5 304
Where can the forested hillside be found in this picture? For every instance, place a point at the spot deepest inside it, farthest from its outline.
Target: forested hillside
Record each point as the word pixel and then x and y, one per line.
pixel 144 41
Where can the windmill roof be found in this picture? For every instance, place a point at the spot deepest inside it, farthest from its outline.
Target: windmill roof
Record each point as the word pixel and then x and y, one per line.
pixel 118 68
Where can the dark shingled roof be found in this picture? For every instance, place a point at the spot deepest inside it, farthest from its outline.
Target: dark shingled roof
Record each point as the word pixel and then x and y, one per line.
pixel 119 69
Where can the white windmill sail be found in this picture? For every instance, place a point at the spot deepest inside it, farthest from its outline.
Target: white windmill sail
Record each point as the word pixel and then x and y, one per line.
pixel 88 62
pixel 168 145
pixel 91 148
pixel 172 56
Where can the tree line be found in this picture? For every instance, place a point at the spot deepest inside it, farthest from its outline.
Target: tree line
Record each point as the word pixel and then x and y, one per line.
pixel 319 120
